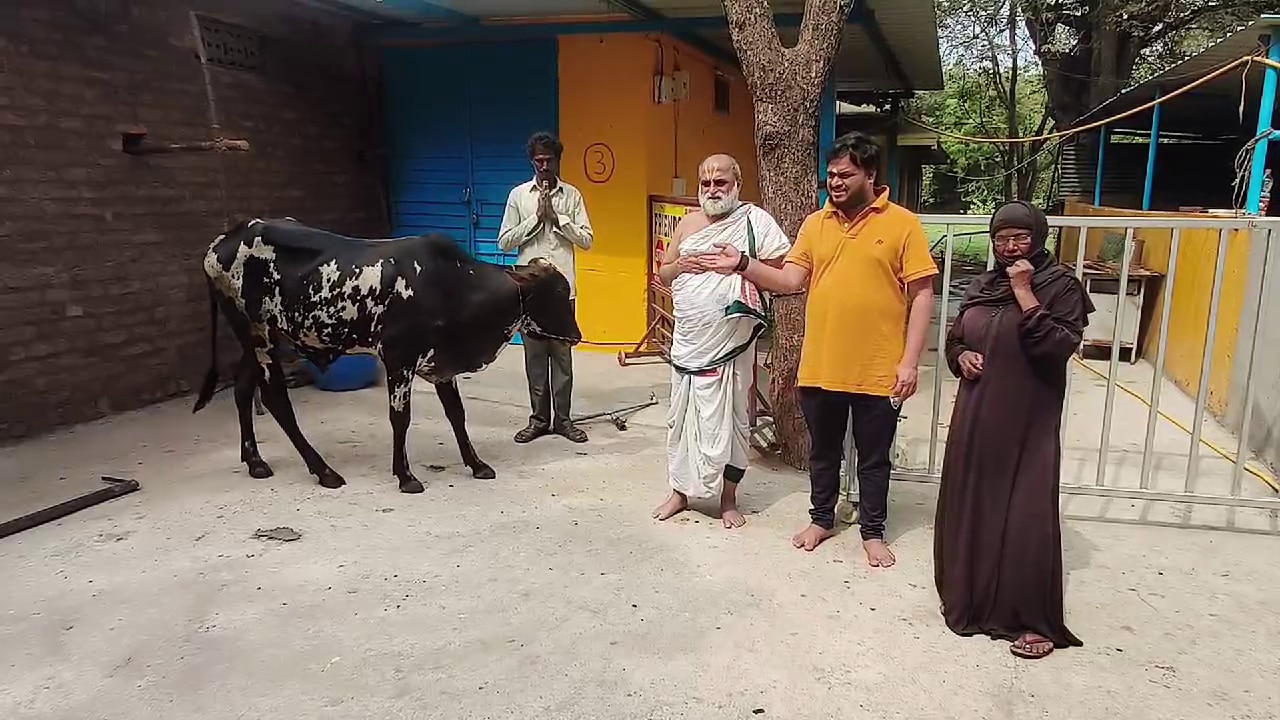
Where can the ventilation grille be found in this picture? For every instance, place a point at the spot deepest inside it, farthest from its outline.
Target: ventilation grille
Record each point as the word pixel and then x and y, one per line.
pixel 230 46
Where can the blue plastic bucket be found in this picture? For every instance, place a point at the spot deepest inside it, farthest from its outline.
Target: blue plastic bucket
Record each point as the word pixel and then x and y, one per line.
pixel 348 372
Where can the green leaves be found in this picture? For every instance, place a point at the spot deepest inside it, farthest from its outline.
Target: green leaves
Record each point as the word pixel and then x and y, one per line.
pixel 1069 55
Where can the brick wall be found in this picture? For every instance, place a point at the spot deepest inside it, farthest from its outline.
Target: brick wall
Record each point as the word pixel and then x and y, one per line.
pixel 102 301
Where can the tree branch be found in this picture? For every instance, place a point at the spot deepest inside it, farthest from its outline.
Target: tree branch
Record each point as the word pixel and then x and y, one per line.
pixel 1035 146
pixel 1043 125
pixel 997 76
pixel 821 31
pixel 755 36
pixel 1177 24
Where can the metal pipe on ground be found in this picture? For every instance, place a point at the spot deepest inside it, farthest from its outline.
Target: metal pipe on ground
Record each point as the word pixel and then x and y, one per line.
pixel 115 488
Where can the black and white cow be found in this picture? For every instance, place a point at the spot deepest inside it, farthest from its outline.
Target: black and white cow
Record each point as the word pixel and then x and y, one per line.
pixel 421 304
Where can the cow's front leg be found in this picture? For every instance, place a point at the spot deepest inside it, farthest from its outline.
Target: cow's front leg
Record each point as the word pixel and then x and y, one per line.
pixel 451 399
pixel 400 388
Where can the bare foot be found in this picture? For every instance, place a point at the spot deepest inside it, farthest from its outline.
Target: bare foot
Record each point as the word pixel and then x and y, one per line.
pixel 674 505
pixel 811 537
pixel 878 553
pixel 729 513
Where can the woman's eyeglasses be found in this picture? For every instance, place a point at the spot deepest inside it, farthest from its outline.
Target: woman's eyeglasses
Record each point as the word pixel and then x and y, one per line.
pixel 1019 239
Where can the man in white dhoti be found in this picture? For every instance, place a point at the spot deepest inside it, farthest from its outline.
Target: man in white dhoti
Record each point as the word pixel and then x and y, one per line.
pixel 713 350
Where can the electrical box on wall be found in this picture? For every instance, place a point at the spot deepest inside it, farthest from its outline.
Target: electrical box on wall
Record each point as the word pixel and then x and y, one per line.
pixel 671 88
pixel 680 79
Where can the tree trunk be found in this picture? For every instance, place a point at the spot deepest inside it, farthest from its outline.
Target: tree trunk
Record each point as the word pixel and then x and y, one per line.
pixel 786 85
pixel 1097 66
pixel 789 189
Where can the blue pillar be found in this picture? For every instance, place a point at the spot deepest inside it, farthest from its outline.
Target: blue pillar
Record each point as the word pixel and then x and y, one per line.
pixel 1151 154
pixel 892 150
pixel 1266 107
pixel 826 133
pixel 1097 175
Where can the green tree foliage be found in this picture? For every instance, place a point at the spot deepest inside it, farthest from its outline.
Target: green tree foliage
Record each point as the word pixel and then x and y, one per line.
pixel 1018 68
pixel 1093 49
pixel 975 176
pixel 993 88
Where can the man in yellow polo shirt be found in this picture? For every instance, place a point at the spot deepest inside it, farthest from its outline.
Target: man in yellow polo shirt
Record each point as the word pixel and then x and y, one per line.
pixel 866 264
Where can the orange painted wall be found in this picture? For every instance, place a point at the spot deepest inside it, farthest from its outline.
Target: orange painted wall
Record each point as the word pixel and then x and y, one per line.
pixel 1192 296
pixel 603 99
pixel 606 96
pixel 683 134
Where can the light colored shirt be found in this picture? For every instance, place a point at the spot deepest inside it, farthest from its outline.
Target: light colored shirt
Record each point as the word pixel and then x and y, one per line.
pixel 522 230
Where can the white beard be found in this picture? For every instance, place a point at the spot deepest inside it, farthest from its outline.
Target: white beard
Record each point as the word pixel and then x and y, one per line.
pixel 719 207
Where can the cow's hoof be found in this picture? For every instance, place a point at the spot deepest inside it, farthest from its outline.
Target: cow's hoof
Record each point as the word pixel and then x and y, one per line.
pixel 411 486
pixel 330 479
pixel 259 469
pixel 483 472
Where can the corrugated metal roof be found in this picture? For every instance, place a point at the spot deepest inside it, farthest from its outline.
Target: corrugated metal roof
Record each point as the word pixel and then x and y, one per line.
pixel 705 8
pixel 908 134
pixel 431 10
pixel 910 28
pixel 1212 109
pixel 1187 174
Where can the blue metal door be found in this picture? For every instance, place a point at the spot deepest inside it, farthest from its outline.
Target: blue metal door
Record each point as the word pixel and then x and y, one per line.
pixel 458 117
pixel 429 161
pixel 513 94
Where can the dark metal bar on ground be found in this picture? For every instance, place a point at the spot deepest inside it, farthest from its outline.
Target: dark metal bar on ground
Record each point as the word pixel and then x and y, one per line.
pixel 115 488
pixel 619 417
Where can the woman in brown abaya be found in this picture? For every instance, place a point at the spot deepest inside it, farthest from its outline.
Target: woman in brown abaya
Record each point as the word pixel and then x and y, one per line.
pixel 998 539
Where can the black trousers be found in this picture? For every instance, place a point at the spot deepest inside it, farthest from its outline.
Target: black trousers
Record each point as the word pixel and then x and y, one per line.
pixel 875 420
pixel 548 365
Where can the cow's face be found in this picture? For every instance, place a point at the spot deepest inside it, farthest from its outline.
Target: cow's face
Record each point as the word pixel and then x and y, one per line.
pixel 548 311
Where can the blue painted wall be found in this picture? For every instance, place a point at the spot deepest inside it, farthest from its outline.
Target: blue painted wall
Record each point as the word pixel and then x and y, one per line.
pixel 458 117
pixel 429 164
pixel 826 134
pixel 514 92
pixel 457 120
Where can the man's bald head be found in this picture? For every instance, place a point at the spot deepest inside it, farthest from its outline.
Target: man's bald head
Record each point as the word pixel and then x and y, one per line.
pixel 719 182
pixel 723 163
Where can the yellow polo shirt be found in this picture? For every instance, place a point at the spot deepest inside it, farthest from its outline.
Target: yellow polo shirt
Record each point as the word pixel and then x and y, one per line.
pixel 856 314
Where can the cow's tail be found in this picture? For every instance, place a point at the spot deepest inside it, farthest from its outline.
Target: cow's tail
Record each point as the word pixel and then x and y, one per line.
pixel 211 377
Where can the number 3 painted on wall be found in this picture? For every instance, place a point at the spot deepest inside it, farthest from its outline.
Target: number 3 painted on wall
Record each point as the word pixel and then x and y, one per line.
pixel 598 163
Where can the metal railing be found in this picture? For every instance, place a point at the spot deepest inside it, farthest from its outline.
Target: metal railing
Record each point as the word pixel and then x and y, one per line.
pixel 1106 480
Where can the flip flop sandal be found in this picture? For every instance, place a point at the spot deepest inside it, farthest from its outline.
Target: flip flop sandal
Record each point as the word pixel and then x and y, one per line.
pixel 1019 648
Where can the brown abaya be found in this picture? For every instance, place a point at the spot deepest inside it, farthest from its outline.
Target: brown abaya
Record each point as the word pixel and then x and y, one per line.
pixel 998 540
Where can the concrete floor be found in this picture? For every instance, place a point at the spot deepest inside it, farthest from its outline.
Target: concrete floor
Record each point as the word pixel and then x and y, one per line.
pixel 550 593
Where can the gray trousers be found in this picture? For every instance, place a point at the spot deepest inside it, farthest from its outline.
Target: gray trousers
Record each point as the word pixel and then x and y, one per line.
pixel 548 365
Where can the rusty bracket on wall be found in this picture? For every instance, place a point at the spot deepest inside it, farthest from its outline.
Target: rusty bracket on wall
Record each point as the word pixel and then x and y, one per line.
pixel 134 142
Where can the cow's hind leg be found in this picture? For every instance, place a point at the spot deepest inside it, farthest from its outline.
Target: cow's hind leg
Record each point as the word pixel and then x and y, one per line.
pixel 451 399
pixel 275 395
pixel 246 398
pixel 400 388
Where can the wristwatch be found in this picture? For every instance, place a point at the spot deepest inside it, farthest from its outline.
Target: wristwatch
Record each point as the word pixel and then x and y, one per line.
pixel 743 261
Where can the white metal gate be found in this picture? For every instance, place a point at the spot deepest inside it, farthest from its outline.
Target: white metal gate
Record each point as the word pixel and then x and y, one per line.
pixel 1157 477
